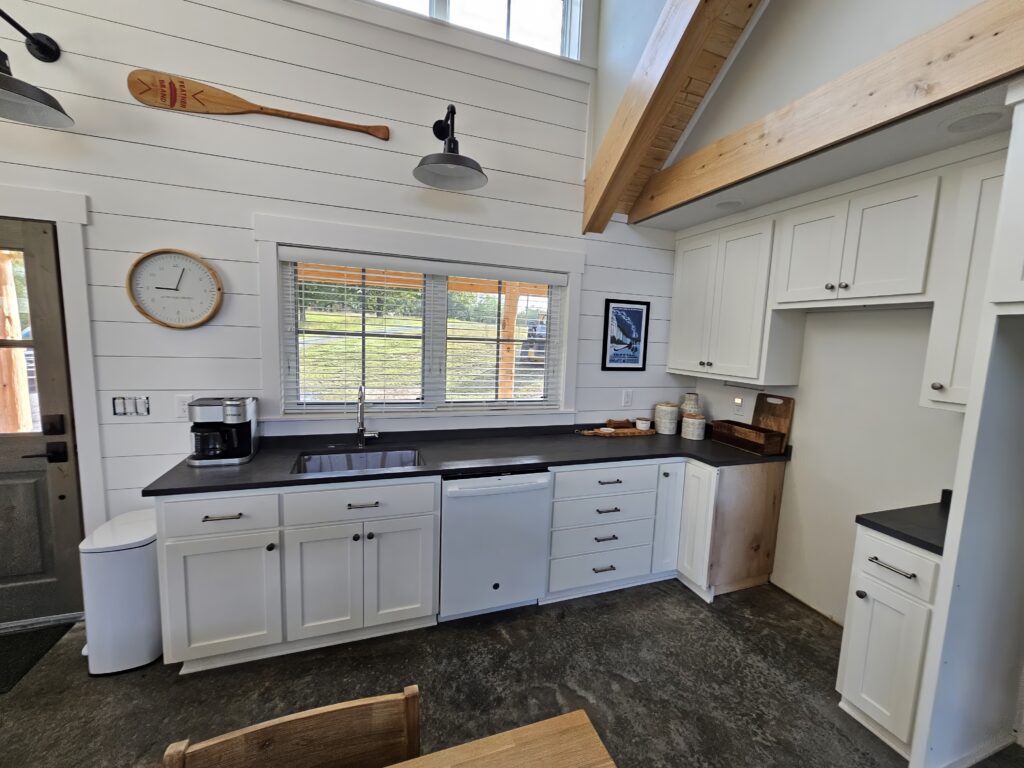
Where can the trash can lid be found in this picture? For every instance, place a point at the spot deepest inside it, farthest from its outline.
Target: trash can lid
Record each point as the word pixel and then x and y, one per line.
pixel 126 531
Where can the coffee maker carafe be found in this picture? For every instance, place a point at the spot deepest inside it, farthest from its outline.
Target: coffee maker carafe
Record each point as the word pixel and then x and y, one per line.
pixel 223 430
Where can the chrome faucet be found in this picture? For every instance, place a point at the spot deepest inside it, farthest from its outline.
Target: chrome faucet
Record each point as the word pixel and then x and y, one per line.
pixel 361 433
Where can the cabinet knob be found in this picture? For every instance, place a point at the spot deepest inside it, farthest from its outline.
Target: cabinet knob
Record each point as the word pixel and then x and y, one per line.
pixel 702 363
pixel 369 536
pixel 666 474
pixel 938 386
pixel 844 285
pixel 861 594
pixel 830 286
pixel 271 547
pixel 356 537
pixel 709 363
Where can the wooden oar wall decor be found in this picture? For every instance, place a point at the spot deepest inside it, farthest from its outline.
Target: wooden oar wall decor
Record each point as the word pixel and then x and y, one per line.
pixel 166 91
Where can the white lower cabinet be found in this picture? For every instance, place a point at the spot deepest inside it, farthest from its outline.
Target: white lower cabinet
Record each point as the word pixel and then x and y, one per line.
pixel 323 576
pixel 695 522
pixel 399 569
pixel 223 594
pixel 885 635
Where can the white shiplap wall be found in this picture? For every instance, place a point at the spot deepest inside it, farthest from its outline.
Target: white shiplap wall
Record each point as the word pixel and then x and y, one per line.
pixel 156 179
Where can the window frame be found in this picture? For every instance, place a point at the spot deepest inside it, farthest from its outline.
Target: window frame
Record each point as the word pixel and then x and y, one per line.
pixel 571 34
pixel 273 233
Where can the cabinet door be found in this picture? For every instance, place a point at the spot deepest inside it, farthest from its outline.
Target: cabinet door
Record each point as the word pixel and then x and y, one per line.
pixel 667 517
pixel 740 296
pixel 695 522
pixel 400 573
pixel 888 239
pixel 223 595
pixel 957 310
pixel 692 289
pixel 882 660
pixel 809 252
pixel 323 578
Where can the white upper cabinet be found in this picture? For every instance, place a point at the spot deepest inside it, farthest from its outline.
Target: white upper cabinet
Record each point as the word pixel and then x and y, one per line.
pixel 871 244
pixel 718 302
pixel 809 251
pixel 961 265
pixel 692 290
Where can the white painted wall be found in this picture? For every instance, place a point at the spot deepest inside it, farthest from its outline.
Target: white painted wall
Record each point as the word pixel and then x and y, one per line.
pixel 160 179
pixel 625 28
pixel 799 45
pixel 861 443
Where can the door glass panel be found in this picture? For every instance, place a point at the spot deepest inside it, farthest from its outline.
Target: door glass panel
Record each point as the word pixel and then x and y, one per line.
pixel 14 322
pixel 19 398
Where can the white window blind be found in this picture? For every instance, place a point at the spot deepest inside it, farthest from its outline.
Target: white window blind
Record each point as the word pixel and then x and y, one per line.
pixel 417 334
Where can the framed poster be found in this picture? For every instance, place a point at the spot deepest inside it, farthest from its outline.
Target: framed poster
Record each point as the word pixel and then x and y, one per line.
pixel 625 335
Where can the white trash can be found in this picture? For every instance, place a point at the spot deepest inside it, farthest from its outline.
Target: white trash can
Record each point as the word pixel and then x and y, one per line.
pixel 122 596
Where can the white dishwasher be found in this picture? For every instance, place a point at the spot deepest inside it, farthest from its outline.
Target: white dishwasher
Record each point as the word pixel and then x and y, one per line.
pixel 494 542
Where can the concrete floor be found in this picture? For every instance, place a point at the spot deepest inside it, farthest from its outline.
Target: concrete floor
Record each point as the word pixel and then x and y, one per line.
pixel 667 681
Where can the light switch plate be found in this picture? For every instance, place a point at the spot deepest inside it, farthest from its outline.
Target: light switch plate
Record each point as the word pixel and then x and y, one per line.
pixel 181 406
pixel 737 406
pixel 627 398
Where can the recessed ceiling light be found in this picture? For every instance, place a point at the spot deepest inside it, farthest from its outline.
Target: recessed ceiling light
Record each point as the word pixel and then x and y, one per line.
pixel 976 122
pixel 729 205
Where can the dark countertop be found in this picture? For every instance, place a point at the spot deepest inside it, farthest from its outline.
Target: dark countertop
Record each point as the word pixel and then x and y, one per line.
pixel 923 526
pixel 448 454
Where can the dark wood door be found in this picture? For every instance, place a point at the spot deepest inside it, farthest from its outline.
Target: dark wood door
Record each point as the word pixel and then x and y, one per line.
pixel 40 510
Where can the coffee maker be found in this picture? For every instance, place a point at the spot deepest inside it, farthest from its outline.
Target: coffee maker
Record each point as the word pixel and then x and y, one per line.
pixel 223 431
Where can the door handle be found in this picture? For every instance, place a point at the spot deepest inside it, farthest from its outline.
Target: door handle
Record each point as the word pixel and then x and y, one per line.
pixel 56 453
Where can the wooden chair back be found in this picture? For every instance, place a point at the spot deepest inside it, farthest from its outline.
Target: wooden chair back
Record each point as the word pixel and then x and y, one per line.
pixel 368 733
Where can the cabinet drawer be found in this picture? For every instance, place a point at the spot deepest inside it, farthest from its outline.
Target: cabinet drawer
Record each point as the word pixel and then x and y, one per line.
pixel 596 482
pixel 603 509
pixel 224 515
pixel 598 568
pixel 874 552
pixel 599 538
pixel 345 504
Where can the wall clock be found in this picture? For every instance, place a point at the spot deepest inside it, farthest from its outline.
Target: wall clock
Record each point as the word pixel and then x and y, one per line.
pixel 174 288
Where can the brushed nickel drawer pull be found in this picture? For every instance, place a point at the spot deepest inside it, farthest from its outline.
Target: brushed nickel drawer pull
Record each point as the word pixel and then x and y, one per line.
pixel 616 481
pixel 371 505
pixel 607 511
pixel 603 570
pixel 215 518
pixel 602 539
pixel 893 568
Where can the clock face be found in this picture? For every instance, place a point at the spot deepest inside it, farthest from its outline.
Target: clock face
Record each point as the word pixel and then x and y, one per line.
pixel 174 288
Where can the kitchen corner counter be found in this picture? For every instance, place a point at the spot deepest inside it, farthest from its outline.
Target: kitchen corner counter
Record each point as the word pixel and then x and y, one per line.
pixel 923 526
pixel 450 455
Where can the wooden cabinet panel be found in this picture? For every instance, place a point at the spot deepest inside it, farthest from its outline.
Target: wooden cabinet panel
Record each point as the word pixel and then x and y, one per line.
pixel 323 576
pixel 884 645
pixel 223 594
pixel 399 572
pixel 809 251
pixel 888 238
pixel 741 291
pixel 692 292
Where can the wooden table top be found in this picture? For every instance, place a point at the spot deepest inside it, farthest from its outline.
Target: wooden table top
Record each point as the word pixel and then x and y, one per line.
pixel 566 741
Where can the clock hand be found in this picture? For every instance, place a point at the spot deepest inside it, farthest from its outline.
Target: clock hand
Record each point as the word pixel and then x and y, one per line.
pixel 177 285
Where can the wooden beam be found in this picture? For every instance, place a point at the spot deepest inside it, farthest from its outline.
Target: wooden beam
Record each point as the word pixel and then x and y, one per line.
pixel 979 47
pixel 687 48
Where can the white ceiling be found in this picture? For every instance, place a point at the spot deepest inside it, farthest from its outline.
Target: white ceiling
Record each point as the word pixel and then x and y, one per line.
pixel 913 137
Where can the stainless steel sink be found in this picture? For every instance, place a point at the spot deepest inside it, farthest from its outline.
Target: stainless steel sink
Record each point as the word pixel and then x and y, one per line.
pixel 356 461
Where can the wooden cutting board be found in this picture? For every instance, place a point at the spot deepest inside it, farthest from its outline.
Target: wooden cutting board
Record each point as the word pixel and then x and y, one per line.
pixel 626 432
pixel 774 412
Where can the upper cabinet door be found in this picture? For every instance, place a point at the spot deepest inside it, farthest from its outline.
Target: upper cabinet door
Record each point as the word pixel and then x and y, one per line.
pixel 692 289
pixel 323 580
pixel 400 569
pixel 809 252
pixel 888 238
pixel 740 296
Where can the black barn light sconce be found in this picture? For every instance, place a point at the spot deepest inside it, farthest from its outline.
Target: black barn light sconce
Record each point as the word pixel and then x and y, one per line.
pixel 21 101
pixel 449 169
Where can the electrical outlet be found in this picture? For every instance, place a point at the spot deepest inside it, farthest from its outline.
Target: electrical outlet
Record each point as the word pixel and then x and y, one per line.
pixel 627 398
pixel 737 406
pixel 181 405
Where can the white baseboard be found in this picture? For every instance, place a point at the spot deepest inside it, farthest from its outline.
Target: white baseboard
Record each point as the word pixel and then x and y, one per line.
pixel 612 586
